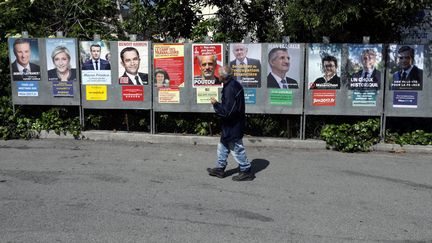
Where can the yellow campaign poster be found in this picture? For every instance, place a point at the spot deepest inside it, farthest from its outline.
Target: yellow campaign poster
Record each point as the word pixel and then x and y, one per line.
pixel 96 92
pixel 204 94
pixel 169 95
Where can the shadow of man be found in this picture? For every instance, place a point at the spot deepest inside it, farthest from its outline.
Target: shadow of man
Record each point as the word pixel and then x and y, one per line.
pixel 257 165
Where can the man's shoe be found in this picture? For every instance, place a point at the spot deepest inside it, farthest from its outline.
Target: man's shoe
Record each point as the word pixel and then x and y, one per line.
pixel 218 172
pixel 244 176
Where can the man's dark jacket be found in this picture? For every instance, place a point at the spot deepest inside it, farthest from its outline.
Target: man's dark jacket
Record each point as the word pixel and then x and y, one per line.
pixel 232 111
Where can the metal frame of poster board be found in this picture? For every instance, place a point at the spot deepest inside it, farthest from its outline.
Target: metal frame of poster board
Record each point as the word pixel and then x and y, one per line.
pixel 44 87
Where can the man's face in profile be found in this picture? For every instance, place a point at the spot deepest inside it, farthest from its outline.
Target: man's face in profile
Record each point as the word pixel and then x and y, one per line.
pixel 131 62
pixel 95 52
pixel 207 66
pixel 329 68
pixel 22 53
pixel 368 61
pixel 240 52
pixel 282 62
pixel 405 60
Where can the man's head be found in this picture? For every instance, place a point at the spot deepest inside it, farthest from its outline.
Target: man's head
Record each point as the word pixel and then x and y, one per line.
pixel 368 59
pixel 240 51
pixel 405 57
pixel 329 64
pixel 279 61
pixel 95 51
pixel 224 73
pixel 207 65
pixel 130 60
pixel 22 51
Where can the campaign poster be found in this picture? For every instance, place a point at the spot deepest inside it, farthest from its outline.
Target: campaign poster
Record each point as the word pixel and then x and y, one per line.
pixel 28 88
pixel 324 97
pixel 24 59
pixel 168 65
pixel 245 62
pixel 96 92
pixel 132 93
pixel 250 96
pixel 365 66
pixel 324 66
pixel 133 63
pixel 404 99
pixel 406 64
pixel 285 65
pixel 61 60
pixel 169 96
pixel 281 97
pixel 95 62
pixel 364 98
pixel 206 61
pixel 204 94
pixel 62 88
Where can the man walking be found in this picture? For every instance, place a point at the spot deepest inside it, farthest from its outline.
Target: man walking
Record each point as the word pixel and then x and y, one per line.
pixel 232 111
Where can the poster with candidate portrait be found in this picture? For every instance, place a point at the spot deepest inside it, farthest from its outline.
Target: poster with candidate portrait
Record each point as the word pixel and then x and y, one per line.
pixel 365 66
pixel 285 66
pixel 168 65
pixel 133 63
pixel 206 61
pixel 61 66
pixel 405 66
pixel 95 62
pixel 324 66
pixel 24 59
pixel 245 62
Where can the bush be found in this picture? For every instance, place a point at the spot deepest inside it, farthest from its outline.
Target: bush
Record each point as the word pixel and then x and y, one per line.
pixel 352 138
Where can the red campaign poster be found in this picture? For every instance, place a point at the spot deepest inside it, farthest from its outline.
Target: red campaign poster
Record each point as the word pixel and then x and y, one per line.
pixel 324 97
pixel 207 59
pixel 168 65
pixel 133 93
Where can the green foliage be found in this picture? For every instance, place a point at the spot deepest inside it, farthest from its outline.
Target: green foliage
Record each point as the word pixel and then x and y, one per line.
pixel 11 124
pixel 352 138
pixel 417 137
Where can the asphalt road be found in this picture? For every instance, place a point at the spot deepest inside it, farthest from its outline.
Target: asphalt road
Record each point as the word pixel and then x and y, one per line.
pixel 87 191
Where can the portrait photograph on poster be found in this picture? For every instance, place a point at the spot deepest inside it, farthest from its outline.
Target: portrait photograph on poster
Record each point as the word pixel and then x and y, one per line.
pixel 285 66
pixel 206 61
pixel 61 59
pixel 324 66
pixel 406 67
pixel 245 62
pixel 133 63
pixel 95 69
pixel 365 66
pixel 168 65
pixel 24 59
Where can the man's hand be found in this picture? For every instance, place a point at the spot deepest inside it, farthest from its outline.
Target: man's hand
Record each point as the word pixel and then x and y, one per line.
pixel 213 100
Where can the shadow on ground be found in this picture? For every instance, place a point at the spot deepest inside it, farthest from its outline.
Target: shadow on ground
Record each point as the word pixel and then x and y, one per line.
pixel 257 165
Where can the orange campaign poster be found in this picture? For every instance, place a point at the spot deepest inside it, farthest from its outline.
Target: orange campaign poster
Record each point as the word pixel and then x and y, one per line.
pixel 207 59
pixel 324 97
pixel 168 65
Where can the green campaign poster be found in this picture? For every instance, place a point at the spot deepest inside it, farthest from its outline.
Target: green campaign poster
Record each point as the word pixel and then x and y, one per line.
pixel 281 97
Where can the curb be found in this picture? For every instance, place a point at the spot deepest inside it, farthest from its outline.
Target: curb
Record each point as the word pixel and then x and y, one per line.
pixel 309 144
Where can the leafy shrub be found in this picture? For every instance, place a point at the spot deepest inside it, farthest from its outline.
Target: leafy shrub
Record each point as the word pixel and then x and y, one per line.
pixel 352 138
pixel 417 137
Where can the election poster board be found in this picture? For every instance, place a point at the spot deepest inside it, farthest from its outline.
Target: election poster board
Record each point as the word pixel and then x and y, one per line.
pixel 116 74
pixel 408 89
pixel 364 79
pixel 284 79
pixel 345 79
pixel 44 71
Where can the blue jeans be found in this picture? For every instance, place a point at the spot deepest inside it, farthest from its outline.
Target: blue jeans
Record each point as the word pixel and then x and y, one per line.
pixel 238 152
